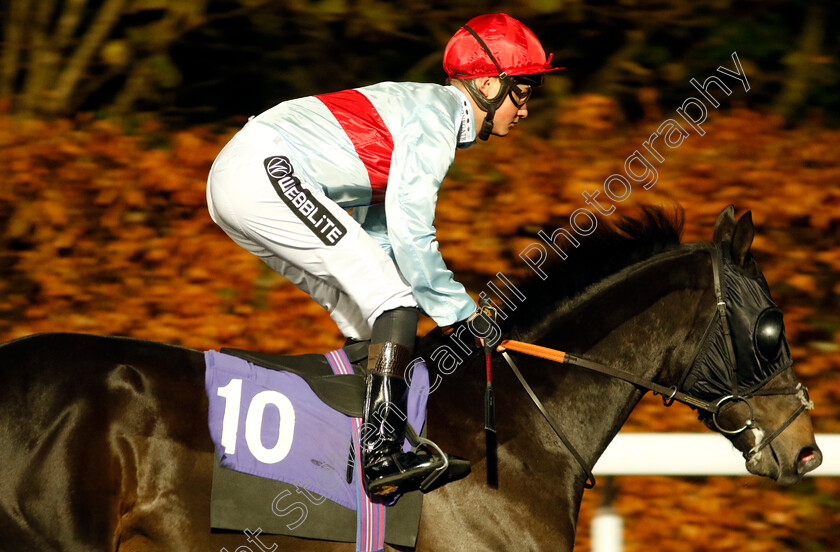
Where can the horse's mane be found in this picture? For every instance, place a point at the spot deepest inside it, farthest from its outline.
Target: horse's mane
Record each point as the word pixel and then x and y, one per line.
pixel 615 245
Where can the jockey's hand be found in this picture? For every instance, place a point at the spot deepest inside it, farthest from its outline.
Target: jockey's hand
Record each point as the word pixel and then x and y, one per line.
pixel 479 341
pixel 446 330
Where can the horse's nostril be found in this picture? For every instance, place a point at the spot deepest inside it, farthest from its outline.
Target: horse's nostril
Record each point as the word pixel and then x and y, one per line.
pixel 808 456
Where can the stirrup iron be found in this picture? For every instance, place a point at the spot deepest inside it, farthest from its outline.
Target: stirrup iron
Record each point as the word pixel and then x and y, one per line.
pixel 432 477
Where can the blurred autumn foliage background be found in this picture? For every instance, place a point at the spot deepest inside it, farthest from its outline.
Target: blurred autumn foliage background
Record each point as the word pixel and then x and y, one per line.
pixel 111 112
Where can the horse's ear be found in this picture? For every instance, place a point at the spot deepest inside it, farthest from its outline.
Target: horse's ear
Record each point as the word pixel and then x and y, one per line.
pixel 725 225
pixel 742 238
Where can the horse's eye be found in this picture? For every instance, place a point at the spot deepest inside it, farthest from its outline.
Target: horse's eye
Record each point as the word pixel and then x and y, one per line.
pixel 769 330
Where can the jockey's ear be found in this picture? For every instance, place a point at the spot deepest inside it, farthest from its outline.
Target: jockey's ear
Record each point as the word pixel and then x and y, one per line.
pixel 742 239
pixel 485 86
pixel 725 226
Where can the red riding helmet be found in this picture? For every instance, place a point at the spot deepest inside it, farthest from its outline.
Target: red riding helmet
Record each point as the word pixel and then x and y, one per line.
pixel 495 45
pixel 511 49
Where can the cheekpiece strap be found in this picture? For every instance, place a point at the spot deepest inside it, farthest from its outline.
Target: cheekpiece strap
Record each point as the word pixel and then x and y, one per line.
pixel 717 260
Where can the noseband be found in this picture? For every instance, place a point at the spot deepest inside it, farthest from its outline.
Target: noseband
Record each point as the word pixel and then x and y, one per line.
pixel 717 323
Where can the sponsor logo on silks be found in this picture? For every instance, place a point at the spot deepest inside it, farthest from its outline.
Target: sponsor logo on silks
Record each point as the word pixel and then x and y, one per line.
pixel 300 200
pixel 278 167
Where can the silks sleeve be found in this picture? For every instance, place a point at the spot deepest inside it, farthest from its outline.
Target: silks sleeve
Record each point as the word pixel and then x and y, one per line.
pixel 423 151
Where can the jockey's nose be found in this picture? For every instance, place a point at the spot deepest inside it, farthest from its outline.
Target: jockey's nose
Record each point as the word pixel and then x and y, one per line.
pixel 523 111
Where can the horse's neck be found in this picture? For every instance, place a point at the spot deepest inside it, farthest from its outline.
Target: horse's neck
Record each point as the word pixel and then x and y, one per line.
pixel 647 320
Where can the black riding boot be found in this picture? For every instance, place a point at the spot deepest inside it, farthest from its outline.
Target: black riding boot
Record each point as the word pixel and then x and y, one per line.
pixel 388 471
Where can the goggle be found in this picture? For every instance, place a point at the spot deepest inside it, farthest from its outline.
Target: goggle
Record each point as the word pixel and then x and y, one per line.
pixel 518 96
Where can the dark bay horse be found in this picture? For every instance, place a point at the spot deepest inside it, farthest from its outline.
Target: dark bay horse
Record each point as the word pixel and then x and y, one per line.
pixel 105 446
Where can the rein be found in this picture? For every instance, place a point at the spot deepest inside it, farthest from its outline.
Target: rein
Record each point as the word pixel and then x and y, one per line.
pixel 669 394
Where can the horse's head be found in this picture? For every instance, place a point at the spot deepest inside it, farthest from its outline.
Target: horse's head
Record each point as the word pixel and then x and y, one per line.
pixel 744 367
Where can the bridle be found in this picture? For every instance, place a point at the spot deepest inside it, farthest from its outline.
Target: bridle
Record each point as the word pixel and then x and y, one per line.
pixel 673 393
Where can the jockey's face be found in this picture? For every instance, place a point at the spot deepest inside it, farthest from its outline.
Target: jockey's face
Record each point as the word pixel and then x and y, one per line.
pixel 509 113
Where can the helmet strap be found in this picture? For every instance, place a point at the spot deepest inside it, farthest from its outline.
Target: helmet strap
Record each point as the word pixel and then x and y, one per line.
pixel 489 105
pixel 487 125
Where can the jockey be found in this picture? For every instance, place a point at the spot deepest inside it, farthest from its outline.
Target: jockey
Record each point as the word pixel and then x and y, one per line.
pixel 282 186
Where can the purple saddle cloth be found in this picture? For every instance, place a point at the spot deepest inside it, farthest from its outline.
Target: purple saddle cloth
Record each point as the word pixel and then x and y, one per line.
pixel 271 424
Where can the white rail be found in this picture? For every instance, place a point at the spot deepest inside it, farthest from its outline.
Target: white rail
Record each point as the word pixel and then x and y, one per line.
pixel 680 454
pixel 692 454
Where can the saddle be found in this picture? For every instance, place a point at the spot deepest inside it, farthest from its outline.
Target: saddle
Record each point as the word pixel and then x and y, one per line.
pixel 345 393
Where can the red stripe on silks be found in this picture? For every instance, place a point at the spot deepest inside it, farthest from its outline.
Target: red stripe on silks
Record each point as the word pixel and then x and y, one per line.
pixel 368 133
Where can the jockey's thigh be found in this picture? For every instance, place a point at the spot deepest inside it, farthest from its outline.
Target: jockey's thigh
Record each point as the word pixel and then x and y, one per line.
pixel 245 204
pixel 343 310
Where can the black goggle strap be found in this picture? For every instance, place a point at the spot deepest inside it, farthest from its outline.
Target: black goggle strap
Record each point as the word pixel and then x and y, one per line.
pixel 502 74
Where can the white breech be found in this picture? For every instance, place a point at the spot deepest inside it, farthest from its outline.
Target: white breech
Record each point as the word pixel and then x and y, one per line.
pixel 300 235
